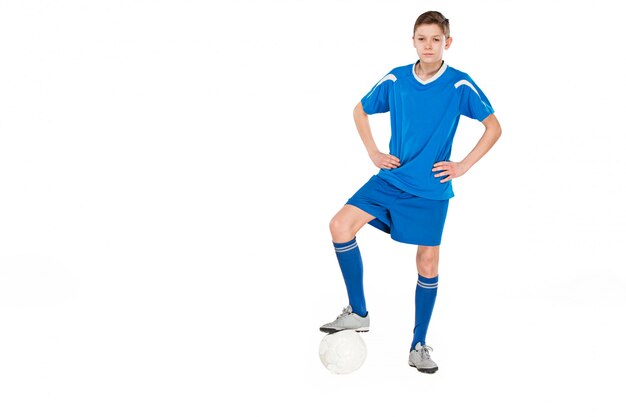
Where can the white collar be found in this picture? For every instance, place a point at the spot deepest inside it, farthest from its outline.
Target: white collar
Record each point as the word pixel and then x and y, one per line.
pixel 431 79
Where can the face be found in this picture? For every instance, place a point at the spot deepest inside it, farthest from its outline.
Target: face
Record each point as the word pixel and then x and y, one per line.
pixel 430 42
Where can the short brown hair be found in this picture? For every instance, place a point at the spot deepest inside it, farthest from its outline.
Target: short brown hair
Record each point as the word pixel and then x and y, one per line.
pixel 428 18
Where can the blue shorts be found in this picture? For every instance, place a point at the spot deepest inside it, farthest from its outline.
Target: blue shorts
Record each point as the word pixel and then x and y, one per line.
pixel 406 217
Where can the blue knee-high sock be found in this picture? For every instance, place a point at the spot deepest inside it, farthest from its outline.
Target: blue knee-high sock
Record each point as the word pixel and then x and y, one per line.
pixel 425 295
pixel 349 257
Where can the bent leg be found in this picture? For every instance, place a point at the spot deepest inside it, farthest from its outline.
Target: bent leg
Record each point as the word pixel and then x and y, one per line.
pixel 343 227
pixel 347 222
pixel 425 291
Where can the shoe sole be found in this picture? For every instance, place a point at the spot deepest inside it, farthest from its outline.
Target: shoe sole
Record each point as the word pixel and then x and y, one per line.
pixel 331 331
pixel 425 370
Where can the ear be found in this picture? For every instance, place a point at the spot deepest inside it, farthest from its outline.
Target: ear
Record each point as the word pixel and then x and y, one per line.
pixel 448 42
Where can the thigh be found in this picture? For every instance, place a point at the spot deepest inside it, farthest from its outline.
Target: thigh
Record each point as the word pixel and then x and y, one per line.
pixel 374 198
pixel 352 217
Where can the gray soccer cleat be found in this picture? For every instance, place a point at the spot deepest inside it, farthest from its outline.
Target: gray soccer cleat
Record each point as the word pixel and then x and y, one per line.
pixel 420 358
pixel 347 320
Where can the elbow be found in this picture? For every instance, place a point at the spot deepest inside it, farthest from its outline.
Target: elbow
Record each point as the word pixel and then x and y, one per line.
pixel 493 126
pixel 494 133
pixel 498 131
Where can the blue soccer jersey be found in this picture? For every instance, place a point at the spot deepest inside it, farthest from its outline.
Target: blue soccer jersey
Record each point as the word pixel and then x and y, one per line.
pixel 424 118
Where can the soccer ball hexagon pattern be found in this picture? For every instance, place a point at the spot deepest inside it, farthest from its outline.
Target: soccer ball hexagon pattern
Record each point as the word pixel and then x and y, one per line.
pixel 343 352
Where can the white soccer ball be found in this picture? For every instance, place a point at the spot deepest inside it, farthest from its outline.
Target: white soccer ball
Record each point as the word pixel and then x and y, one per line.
pixel 343 352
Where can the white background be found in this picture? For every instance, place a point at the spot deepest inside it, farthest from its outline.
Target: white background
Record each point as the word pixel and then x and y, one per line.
pixel 168 170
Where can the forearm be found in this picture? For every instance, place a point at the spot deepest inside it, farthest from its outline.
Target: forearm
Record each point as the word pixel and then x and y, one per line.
pixel 486 142
pixel 363 127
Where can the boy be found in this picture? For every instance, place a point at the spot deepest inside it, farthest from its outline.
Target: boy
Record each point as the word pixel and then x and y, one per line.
pixel 408 198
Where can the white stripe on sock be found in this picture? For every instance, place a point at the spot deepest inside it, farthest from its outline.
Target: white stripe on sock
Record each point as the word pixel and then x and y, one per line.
pixel 346 248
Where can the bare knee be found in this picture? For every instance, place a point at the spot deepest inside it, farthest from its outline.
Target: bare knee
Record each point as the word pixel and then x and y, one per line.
pixel 347 222
pixel 341 229
pixel 428 263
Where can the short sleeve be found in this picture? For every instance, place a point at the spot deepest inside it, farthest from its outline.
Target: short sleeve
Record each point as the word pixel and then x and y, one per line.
pixel 473 103
pixel 377 100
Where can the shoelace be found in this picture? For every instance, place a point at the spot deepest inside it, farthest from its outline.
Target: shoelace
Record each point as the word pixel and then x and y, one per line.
pixel 424 352
pixel 345 312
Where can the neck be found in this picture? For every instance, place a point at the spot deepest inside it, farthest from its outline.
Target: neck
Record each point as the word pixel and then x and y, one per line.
pixel 425 70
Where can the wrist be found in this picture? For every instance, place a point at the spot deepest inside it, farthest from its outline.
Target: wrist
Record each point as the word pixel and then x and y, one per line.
pixel 466 165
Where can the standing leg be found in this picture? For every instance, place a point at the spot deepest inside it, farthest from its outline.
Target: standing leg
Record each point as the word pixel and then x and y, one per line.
pixel 343 227
pixel 425 291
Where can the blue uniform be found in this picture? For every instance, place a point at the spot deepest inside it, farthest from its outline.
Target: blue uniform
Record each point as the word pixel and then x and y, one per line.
pixel 406 217
pixel 424 118
pixel 409 202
